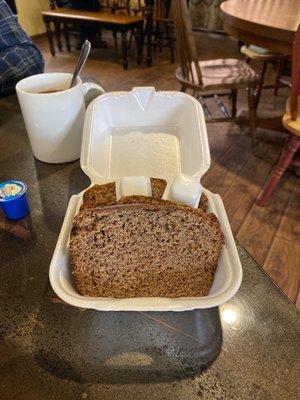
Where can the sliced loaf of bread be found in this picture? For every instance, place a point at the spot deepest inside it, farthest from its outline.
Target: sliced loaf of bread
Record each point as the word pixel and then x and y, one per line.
pixel 100 194
pixel 143 250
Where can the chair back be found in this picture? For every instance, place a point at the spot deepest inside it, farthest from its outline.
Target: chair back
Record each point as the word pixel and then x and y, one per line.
pixel 120 5
pixel 137 6
pixel 52 4
pixel 162 9
pixel 186 45
pixel 295 75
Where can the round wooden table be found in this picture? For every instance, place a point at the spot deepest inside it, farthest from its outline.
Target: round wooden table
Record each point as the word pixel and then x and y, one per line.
pixel 267 23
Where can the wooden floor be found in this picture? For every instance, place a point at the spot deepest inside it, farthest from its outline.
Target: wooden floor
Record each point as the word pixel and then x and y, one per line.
pixel 271 234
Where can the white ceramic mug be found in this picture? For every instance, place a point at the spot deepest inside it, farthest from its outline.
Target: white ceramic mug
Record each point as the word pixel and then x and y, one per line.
pixel 54 121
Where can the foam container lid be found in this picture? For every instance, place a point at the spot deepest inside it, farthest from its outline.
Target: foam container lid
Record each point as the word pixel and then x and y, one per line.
pixel 145 133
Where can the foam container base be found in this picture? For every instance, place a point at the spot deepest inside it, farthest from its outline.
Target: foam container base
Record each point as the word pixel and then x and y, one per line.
pixel 227 279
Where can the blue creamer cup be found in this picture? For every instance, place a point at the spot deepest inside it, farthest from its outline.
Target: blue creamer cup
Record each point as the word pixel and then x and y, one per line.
pixel 13 199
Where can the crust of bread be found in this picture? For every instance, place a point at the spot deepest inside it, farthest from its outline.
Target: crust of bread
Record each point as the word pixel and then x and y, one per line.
pixel 160 202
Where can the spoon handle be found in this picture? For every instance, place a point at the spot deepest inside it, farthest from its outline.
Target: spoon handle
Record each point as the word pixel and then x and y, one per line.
pixel 84 53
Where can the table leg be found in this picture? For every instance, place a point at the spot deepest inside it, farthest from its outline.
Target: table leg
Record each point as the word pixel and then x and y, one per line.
pixel 124 49
pixel 57 34
pixel 67 37
pixel 149 30
pixel 115 38
pixel 252 105
pixel 50 38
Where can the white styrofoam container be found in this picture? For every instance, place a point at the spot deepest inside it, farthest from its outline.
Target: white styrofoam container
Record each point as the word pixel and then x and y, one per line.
pixel 144 133
pixel 161 134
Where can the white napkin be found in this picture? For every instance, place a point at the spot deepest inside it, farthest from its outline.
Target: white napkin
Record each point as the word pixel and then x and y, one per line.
pixel 133 185
pixel 185 189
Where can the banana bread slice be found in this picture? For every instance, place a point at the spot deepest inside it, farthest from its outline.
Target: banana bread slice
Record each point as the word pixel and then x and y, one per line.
pixel 158 187
pixel 102 195
pixel 160 202
pixel 105 195
pixel 143 250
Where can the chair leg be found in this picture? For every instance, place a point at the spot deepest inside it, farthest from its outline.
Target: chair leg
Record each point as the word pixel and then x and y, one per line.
pixel 278 74
pixel 183 88
pixel 67 37
pixel 261 81
pixel 233 100
pixel 50 37
pixel 252 104
pixel 139 42
pixel 288 152
pixel 170 42
pixel 57 34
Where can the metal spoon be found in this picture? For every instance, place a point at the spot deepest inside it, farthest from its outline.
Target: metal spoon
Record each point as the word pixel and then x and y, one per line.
pixel 84 53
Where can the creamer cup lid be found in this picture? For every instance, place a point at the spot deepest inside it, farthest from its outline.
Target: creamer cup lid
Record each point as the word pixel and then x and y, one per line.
pixel 11 190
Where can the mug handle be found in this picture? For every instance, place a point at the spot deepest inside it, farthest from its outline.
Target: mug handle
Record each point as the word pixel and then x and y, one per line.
pixel 89 87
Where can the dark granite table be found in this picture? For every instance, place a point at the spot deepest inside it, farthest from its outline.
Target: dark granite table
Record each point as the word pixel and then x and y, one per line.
pixel 247 349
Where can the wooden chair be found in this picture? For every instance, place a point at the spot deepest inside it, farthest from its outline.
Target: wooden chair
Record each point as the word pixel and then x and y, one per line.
pixel 121 5
pixel 209 78
pixel 256 53
pixel 291 121
pixel 137 7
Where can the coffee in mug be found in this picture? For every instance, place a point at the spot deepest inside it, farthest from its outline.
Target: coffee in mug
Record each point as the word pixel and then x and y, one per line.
pixel 51 91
